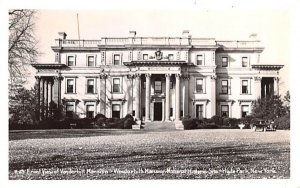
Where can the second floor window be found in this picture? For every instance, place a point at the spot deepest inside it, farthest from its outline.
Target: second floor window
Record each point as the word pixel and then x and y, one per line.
pixel 244 61
pixel 224 61
pixel 244 86
pixel 157 87
pixel 199 86
pixel 117 59
pixel 91 61
pixel 224 89
pixel 90 86
pixel 71 61
pixel 70 86
pixel 199 59
pixel 116 85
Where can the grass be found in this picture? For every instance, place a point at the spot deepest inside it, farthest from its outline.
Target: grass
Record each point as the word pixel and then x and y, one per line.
pixel 129 154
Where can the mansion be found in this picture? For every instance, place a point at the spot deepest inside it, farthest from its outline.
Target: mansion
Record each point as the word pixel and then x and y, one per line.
pixel 154 78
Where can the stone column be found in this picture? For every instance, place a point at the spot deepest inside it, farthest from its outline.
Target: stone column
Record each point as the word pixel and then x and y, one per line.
pixel 43 99
pixel 57 94
pixel 213 101
pixel 276 86
pixel 47 98
pixel 147 105
pixel 177 98
pixel 257 81
pixel 137 96
pixel 167 116
pixel 103 93
pixel 38 79
pixel 185 95
pixel 51 96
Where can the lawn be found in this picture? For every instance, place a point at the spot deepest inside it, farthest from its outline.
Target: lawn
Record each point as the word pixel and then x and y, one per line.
pixel 141 154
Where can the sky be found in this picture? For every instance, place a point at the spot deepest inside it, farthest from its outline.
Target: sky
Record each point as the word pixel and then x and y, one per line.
pixel 272 28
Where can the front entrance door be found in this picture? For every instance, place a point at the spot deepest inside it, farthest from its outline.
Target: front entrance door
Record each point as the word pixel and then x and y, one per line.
pixel 157 111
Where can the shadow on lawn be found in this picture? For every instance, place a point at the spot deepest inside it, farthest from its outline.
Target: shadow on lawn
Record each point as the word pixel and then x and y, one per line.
pixel 74 133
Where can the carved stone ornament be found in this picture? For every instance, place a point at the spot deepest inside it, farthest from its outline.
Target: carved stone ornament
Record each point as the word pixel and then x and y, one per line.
pixel 158 54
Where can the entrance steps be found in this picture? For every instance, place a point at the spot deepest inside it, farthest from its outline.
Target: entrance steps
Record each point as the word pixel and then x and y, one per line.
pixel 159 125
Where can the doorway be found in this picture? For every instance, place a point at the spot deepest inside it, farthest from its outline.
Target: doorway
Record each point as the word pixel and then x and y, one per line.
pixel 157 111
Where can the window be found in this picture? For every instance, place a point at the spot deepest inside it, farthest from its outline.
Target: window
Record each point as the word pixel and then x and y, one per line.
pixel 71 61
pixel 224 89
pixel 244 61
pixel 116 85
pixel 90 86
pixel 171 57
pixel 199 85
pixel 199 59
pixel 91 61
pixel 157 87
pixel 224 110
pixel 199 111
pixel 69 110
pixel 117 59
pixel 244 86
pixel 144 85
pixel 90 109
pixel 116 111
pixel 70 86
pixel 171 85
pixel 145 56
pixel 224 61
pixel 171 112
pixel 245 110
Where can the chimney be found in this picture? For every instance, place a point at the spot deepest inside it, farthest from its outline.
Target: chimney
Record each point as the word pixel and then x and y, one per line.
pixel 132 33
pixel 62 35
pixel 185 33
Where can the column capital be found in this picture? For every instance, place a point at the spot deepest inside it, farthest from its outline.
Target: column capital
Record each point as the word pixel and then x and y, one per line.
pixel 178 75
pixel 137 76
pixel 168 75
pixel 38 78
pixel 58 78
pixel 148 75
pixel 276 79
pixel 130 76
pixel 213 77
pixel 257 78
pixel 102 76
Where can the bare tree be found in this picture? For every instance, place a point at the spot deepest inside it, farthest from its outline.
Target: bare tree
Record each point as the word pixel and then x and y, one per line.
pixel 22 49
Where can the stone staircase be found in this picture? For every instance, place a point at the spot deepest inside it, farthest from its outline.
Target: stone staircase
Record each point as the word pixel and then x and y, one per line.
pixel 158 125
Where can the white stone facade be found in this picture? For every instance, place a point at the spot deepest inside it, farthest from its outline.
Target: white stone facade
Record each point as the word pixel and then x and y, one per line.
pixel 155 78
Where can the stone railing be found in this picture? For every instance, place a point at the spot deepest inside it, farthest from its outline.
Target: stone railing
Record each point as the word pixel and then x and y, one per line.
pixel 239 44
pixel 135 41
pixel 156 41
pixel 77 43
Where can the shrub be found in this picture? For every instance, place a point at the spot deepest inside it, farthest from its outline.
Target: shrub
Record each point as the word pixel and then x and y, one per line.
pixel 129 121
pixel 190 123
pixel 217 120
pixel 100 120
pixel 283 123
